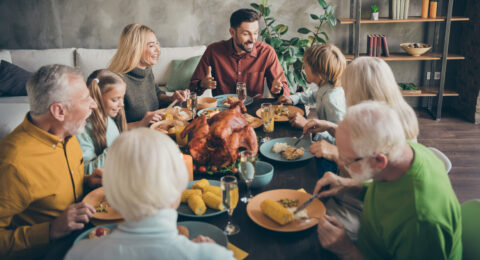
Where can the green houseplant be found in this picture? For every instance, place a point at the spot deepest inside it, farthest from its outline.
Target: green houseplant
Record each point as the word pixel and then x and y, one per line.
pixel 374 9
pixel 290 51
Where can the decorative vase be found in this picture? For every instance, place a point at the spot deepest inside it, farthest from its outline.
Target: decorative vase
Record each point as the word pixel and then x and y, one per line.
pixel 374 16
pixel 425 4
pixel 433 9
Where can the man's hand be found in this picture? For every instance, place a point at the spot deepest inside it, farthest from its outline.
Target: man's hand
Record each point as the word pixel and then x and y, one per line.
pixel 332 236
pixel 317 125
pixel 277 84
pixel 297 120
pixel 203 239
pixel 324 149
pixel 208 81
pixel 73 218
pixel 337 184
pixel 94 180
pixel 284 100
pixel 181 95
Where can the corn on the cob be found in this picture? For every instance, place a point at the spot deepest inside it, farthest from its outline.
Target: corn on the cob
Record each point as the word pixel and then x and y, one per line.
pixel 214 189
pixel 201 184
pixel 276 212
pixel 197 205
pixel 187 193
pixel 213 201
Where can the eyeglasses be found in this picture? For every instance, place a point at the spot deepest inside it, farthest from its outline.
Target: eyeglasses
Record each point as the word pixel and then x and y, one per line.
pixel 347 165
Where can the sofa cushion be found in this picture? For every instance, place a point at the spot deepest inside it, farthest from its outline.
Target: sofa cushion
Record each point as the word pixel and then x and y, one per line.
pixel 32 60
pixel 5 55
pixel 162 69
pixel 181 74
pixel 89 60
pixel 13 79
pixel 12 113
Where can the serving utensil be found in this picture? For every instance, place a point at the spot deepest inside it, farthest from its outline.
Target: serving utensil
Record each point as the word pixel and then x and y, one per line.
pixel 299 139
pixel 172 104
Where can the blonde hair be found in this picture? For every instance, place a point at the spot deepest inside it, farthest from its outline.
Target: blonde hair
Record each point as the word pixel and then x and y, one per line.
pixel 368 78
pixel 131 45
pixel 327 61
pixel 99 83
pixel 374 127
pixel 144 172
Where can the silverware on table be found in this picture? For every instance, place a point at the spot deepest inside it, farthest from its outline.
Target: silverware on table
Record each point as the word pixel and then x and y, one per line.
pixel 299 139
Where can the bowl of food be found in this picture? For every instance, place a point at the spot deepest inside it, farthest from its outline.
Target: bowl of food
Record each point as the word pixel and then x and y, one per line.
pixel 263 174
pixel 415 48
pixel 206 102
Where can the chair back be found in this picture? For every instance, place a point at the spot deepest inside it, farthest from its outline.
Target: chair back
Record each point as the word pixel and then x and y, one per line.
pixel 471 229
pixel 443 157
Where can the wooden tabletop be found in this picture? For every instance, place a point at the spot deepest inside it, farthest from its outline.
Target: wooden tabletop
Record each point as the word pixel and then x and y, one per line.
pixel 262 243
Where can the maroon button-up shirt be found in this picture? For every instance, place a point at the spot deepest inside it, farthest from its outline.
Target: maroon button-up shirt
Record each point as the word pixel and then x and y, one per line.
pixel 228 68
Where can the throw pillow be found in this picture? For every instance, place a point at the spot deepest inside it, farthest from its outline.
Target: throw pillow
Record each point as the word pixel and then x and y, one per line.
pixel 13 79
pixel 182 71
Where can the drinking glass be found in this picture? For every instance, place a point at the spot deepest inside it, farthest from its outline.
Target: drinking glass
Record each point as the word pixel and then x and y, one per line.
pixel 247 171
pixel 192 103
pixel 242 91
pixel 268 119
pixel 229 187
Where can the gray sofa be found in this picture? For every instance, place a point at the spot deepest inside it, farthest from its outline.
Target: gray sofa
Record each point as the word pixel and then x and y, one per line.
pixel 13 109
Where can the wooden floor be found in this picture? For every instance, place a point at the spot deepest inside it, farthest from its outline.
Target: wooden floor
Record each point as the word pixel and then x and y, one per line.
pixel 460 141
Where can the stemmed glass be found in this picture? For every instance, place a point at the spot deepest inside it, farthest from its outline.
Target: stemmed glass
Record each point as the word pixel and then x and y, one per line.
pixel 229 187
pixel 242 91
pixel 247 171
pixel 192 103
pixel 268 119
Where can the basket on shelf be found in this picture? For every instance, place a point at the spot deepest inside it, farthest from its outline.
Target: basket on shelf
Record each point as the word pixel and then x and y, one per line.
pixel 415 48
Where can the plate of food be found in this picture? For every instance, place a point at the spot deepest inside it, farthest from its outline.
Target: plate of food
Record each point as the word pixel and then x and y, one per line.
pixel 253 121
pixel 282 149
pixel 209 112
pixel 202 198
pixel 168 127
pixel 195 228
pixel 97 199
pixel 96 232
pixel 282 112
pixel 274 209
pixel 227 99
pixel 177 113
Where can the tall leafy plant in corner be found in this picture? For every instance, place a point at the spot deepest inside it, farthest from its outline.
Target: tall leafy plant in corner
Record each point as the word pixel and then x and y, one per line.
pixel 290 51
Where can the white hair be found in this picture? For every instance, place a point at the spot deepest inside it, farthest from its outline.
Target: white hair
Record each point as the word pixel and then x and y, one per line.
pixel 375 128
pixel 48 85
pixel 370 78
pixel 144 172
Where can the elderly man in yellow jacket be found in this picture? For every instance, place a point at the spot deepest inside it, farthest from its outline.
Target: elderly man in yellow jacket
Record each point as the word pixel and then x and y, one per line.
pixel 41 166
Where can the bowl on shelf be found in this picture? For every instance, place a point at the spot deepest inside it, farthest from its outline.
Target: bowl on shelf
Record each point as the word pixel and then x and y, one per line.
pixel 263 174
pixel 206 102
pixel 416 48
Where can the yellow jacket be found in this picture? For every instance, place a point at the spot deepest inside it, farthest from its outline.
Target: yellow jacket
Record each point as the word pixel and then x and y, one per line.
pixel 35 187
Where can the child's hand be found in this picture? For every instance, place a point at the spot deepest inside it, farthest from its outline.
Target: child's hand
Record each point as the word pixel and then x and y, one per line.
pixel 297 120
pixel 284 100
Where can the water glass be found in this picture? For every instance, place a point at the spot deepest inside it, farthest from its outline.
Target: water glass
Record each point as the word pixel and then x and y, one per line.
pixel 242 91
pixel 247 171
pixel 192 103
pixel 268 119
pixel 229 187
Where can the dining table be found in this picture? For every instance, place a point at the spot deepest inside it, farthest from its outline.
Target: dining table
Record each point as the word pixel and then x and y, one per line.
pixel 257 241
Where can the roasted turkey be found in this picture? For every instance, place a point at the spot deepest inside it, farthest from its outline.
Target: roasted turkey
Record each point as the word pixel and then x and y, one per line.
pixel 217 140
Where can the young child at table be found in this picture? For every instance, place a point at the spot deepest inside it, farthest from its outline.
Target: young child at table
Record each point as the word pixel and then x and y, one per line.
pixel 107 88
pixel 324 65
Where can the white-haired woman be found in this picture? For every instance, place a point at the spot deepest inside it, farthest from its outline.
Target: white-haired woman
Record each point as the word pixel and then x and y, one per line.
pixel 366 78
pixel 144 177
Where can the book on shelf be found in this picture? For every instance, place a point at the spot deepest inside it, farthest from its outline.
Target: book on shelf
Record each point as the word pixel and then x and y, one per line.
pixel 379 45
pixel 369 45
pixel 385 52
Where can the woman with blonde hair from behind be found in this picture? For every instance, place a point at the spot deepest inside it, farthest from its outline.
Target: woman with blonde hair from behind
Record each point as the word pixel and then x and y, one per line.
pixel 366 78
pixel 105 123
pixel 143 180
pixel 138 51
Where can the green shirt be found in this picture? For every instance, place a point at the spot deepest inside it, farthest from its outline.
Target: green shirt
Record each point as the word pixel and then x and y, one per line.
pixel 415 217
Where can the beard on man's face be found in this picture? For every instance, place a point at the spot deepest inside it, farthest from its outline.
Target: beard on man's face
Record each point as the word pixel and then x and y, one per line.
pixel 366 172
pixel 243 45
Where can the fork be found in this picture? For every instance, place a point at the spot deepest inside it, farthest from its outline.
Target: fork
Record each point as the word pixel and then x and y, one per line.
pixel 299 139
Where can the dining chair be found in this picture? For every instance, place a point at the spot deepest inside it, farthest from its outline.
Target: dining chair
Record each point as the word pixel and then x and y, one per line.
pixel 471 229
pixel 443 158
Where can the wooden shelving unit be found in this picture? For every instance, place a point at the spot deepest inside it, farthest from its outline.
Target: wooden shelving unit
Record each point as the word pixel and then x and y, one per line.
pixel 428 92
pixel 407 57
pixel 412 19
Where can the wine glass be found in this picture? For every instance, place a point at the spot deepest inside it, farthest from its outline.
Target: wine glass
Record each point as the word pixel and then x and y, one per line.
pixel 268 119
pixel 192 103
pixel 229 187
pixel 247 171
pixel 242 91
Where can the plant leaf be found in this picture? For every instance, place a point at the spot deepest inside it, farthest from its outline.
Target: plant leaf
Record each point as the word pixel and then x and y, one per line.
pixel 294 41
pixel 330 9
pixel 322 3
pixel 304 30
pixel 254 5
pixel 267 11
pixel 314 16
pixel 326 35
pixel 264 2
pixel 281 29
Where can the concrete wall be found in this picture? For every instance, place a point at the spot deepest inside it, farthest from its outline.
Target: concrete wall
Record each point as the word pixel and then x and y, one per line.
pixel 43 24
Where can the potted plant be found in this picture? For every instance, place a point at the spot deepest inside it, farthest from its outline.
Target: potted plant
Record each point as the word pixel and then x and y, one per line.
pixel 374 12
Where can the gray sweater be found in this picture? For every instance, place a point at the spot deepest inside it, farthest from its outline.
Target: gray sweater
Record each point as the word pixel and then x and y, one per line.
pixel 141 95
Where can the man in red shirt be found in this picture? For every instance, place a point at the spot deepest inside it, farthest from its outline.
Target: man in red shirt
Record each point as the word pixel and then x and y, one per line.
pixel 240 59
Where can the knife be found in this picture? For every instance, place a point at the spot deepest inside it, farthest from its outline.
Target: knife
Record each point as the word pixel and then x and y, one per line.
pixel 299 139
pixel 306 203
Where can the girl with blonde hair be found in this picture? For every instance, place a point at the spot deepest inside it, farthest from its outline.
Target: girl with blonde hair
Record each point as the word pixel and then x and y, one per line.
pixel 107 88
pixel 324 65
pixel 137 52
